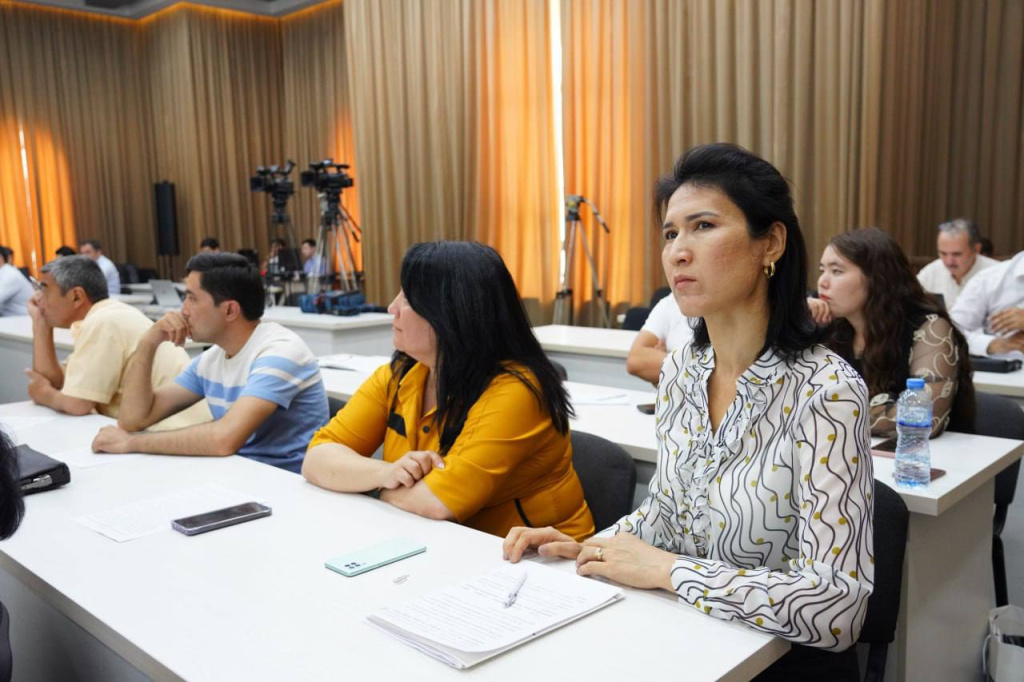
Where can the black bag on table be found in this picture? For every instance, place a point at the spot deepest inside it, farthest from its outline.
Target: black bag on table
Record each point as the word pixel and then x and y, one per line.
pixel 38 472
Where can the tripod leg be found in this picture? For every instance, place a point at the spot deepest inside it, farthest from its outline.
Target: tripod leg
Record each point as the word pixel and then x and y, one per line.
pixel 563 300
pixel 351 255
pixel 598 292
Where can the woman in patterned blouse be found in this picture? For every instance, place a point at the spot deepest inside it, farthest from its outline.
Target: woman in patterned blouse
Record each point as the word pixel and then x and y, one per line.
pixel 889 329
pixel 760 508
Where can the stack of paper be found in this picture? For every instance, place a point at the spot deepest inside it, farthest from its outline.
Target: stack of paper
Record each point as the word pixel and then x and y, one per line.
pixel 467 623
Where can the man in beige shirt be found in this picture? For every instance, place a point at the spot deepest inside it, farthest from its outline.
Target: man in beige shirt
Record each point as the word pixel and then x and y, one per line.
pixel 73 294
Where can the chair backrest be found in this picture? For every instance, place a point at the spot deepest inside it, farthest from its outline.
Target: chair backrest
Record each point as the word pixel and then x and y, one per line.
pixel 131 274
pixel 890 521
pixel 5 645
pixel 635 318
pixel 608 476
pixel 659 294
pixel 1002 418
pixel 122 274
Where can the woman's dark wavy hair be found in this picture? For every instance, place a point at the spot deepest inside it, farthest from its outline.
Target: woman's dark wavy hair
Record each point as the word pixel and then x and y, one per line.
pixel 759 190
pixel 466 294
pixel 895 301
pixel 12 508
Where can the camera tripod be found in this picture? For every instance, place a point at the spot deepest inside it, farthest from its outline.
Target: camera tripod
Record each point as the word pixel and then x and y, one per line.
pixel 573 225
pixel 280 221
pixel 338 229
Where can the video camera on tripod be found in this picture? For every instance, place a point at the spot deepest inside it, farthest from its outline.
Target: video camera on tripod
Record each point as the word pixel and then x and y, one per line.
pixel 319 177
pixel 274 180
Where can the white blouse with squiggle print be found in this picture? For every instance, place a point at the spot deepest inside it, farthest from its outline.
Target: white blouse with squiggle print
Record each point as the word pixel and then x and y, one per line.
pixel 771 515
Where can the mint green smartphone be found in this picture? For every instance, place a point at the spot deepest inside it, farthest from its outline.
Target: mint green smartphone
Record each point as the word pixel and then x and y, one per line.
pixel 369 558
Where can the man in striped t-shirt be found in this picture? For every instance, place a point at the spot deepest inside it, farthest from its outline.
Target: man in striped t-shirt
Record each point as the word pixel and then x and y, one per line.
pixel 261 381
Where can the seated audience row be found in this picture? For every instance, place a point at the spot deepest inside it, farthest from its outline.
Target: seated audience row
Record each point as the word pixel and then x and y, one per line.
pixel 760 508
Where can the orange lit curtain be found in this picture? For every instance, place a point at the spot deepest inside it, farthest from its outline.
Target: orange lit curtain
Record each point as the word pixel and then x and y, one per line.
pixel 896 114
pixel 514 203
pixel 451 116
pixel 36 198
pixel 215 86
pixel 646 80
pixel 951 120
pixel 316 109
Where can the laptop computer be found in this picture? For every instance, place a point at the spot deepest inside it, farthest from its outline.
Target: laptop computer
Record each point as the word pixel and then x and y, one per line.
pixel 166 295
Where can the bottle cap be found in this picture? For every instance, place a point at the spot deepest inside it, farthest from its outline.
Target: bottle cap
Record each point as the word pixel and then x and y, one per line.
pixel 915 383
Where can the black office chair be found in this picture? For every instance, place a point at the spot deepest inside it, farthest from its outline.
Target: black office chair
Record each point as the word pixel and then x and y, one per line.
pixel 131 274
pixel 608 476
pixel 890 525
pixel 122 274
pixel 5 645
pixel 659 294
pixel 146 274
pixel 635 318
pixel 1002 418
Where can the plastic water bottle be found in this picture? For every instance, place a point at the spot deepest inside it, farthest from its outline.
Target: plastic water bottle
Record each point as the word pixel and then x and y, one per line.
pixel 913 427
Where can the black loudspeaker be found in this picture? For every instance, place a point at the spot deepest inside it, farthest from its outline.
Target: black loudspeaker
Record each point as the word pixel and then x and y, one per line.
pixel 166 220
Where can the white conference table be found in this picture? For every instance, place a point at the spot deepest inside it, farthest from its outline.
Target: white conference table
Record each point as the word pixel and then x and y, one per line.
pixel 363 334
pixel 1010 384
pixel 254 602
pixel 147 288
pixel 591 355
pixel 16 353
pixel 140 301
pixel 948 586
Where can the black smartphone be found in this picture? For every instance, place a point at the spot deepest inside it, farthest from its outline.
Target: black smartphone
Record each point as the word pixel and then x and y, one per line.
pixel 646 408
pixel 886 446
pixel 220 518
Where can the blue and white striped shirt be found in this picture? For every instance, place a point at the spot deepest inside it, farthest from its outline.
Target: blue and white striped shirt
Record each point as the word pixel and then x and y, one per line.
pixel 274 365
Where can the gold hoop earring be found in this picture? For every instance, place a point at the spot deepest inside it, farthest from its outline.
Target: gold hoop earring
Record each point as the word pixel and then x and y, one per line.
pixel 769 270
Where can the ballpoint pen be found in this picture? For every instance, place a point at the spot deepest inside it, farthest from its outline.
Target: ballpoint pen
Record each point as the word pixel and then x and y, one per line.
pixel 515 590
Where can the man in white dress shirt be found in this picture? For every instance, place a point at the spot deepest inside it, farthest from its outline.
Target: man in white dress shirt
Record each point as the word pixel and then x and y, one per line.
pixel 990 310
pixel 15 289
pixel 665 330
pixel 92 249
pixel 959 260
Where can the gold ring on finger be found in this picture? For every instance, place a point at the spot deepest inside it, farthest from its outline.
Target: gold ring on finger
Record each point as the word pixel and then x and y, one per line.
pixel 600 553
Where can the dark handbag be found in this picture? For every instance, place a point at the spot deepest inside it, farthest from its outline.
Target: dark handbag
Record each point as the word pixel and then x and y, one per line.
pixel 38 472
pixel 999 365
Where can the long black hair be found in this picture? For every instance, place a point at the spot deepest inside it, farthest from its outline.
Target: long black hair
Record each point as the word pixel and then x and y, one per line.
pixel 12 508
pixel 895 307
pixel 466 294
pixel 759 190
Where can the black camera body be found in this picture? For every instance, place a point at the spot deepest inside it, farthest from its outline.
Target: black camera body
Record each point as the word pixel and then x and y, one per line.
pixel 319 177
pixel 274 181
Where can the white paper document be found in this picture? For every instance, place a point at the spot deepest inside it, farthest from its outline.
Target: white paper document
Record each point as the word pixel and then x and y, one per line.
pixel 74 434
pixel 466 623
pixel 357 363
pixel 12 425
pixel 139 519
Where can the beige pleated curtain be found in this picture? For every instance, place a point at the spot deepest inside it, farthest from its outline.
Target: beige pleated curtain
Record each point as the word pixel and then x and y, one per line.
pixel 895 113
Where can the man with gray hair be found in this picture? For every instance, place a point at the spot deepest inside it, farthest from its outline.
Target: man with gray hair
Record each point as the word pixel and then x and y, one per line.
pixel 73 294
pixel 959 260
